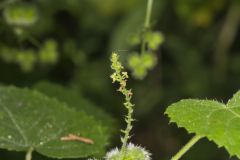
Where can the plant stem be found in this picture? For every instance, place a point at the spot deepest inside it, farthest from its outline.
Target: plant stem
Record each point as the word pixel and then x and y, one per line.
pixel 148 15
pixel 186 148
pixel 146 24
pixel 225 40
pixel 29 154
pixel 121 77
pixel 129 121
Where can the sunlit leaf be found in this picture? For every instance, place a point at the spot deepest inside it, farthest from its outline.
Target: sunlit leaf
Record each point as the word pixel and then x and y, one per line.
pixel 214 120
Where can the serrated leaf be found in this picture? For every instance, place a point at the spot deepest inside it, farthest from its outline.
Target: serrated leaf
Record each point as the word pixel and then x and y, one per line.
pixel 30 119
pixel 212 119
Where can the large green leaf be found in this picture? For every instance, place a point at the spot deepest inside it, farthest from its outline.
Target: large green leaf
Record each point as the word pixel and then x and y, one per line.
pixel 75 100
pixel 29 119
pixel 215 120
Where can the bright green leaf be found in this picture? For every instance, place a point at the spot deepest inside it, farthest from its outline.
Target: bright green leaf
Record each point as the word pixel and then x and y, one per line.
pixel 32 120
pixel 216 121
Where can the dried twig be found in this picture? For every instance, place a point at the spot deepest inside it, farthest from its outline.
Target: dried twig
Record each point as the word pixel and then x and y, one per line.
pixel 72 137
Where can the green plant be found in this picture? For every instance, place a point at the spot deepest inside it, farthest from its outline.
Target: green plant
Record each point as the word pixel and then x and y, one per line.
pixel 63 42
pixel 207 118
pixel 128 151
pixel 149 41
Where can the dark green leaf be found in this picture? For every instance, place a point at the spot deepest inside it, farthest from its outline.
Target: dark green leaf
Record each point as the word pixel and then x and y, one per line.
pixel 29 119
pixel 73 99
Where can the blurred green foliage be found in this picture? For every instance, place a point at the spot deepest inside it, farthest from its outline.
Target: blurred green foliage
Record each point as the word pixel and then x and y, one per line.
pixel 69 43
pixel 20 14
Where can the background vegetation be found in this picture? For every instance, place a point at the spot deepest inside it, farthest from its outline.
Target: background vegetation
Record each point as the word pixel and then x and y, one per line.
pixel 70 42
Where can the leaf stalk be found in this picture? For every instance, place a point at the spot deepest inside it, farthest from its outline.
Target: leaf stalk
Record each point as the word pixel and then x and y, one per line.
pixel 185 148
pixel 29 154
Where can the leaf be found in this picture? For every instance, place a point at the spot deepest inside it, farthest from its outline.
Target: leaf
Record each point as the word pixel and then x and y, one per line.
pixel 212 119
pixel 73 99
pixel 30 119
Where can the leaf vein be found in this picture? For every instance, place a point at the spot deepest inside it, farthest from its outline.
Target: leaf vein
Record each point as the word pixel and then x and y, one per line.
pixel 19 129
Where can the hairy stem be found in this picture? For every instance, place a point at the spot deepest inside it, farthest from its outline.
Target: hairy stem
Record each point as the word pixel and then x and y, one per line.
pixel 186 148
pixel 29 154
pixel 146 24
pixel 121 77
pixel 126 132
